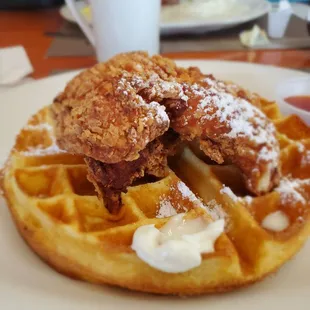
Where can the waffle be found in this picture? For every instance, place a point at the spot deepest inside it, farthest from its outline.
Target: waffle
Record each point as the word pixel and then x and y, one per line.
pixel 57 212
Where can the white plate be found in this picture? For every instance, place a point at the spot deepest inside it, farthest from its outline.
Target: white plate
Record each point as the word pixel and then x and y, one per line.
pixel 243 11
pixel 27 283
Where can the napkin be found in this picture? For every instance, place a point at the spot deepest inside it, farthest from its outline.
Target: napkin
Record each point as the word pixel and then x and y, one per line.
pixel 14 65
pixel 253 37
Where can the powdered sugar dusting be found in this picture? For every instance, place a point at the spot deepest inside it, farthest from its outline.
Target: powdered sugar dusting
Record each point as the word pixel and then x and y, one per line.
pixel 154 86
pixel 160 115
pixel 212 82
pixel 300 219
pixel 248 199
pixel 165 209
pixel 39 151
pixel 226 190
pixel 300 147
pixel 187 193
pixel 155 89
pixel 266 154
pixel 129 86
pixel 39 127
pixel 289 190
pixel 215 210
pixel 305 160
pixel 240 118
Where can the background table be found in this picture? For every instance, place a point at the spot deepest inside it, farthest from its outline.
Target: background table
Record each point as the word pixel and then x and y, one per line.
pixel 29 28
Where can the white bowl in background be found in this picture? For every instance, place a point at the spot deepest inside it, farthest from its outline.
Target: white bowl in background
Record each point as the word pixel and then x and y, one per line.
pixel 293 87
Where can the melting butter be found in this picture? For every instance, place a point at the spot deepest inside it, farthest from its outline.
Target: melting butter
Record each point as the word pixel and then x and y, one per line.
pixel 178 245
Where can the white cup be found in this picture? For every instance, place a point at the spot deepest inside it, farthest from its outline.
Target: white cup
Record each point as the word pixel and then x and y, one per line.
pixel 121 26
pixel 278 20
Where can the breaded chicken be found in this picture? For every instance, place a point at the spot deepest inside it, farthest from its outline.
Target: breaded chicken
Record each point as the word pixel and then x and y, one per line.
pixel 102 114
pixel 111 180
pixel 223 117
pixel 117 115
pixel 228 127
pixel 110 123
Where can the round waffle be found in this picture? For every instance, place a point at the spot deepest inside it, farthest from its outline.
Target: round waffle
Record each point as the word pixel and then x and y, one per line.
pixel 59 215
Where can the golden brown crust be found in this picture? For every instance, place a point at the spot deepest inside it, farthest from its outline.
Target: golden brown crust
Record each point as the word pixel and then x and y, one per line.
pixel 104 114
pixel 113 179
pixel 71 230
pixel 228 127
pixel 113 110
pixel 149 280
pixel 111 123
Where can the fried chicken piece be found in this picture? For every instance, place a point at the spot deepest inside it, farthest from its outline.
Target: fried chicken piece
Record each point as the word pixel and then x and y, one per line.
pixel 103 115
pixel 114 114
pixel 110 123
pixel 111 180
pixel 223 117
pixel 228 127
pixel 138 63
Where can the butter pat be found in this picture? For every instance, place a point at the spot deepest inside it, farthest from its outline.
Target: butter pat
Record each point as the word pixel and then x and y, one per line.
pixel 178 245
pixel 276 221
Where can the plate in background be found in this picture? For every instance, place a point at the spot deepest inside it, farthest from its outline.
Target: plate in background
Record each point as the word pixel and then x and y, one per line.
pixel 243 11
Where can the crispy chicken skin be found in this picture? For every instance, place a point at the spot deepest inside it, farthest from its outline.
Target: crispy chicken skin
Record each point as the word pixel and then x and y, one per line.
pixel 224 118
pixel 111 180
pixel 110 123
pixel 229 128
pixel 117 115
pixel 103 115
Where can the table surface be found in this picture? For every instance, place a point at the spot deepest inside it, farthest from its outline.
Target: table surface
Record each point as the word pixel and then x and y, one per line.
pixel 28 28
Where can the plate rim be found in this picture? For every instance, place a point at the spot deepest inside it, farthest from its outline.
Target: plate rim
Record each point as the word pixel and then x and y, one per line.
pixel 265 8
pixel 175 26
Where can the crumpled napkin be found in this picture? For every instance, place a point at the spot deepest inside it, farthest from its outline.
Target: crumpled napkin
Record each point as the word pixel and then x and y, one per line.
pixel 253 37
pixel 14 65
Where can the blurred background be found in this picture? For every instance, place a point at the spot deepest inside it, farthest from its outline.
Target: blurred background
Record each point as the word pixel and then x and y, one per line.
pixel 44 38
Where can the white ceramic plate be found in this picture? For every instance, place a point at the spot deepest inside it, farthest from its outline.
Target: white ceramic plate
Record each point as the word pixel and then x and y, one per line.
pixel 29 284
pixel 243 11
